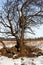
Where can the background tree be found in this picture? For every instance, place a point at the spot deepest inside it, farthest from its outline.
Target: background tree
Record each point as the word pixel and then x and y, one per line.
pixel 18 16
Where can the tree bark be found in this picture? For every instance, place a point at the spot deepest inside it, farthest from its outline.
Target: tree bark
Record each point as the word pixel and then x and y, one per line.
pixel 20 42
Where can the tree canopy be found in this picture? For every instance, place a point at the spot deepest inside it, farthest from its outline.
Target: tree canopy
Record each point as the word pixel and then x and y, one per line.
pixel 11 16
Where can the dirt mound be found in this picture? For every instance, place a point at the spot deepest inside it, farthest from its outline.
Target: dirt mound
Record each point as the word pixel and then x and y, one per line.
pixel 26 51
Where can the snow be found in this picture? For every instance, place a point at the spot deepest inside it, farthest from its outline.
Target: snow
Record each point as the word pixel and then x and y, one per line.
pixel 11 45
pixel 1 47
pixel 39 60
pixel 24 60
pixel 8 46
pixel 37 45
pixel 6 61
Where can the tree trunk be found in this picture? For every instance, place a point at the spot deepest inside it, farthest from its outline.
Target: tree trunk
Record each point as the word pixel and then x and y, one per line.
pixel 19 45
pixel 20 41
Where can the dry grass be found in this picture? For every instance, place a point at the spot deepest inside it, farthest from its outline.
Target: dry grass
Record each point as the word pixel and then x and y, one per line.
pixel 26 51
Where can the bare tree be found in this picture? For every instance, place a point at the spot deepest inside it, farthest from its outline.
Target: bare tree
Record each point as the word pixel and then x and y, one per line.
pixel 17 15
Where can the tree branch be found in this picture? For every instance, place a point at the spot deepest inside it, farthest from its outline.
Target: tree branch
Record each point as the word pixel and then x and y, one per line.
pixel 26 3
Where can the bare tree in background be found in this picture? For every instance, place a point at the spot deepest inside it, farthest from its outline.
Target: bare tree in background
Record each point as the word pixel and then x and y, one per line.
pixel 18 15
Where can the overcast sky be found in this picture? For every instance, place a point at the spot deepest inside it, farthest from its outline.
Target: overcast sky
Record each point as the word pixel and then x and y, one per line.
pixel 38 32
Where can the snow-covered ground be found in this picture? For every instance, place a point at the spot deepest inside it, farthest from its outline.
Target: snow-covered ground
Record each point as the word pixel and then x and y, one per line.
pixel 21 61
pixel 36 44
pixel 8 46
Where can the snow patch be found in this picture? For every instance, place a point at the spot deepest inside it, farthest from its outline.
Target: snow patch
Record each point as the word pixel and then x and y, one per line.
pixel 10 45
pixel 23 60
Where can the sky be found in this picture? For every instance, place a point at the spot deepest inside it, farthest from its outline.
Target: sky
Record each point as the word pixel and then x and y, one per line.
pixel 1 3
pixel 38 32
